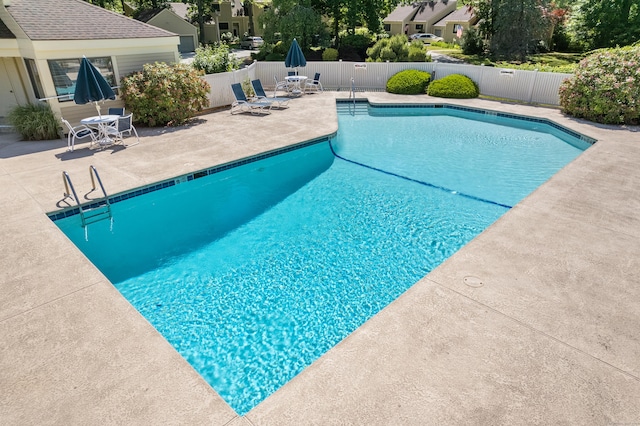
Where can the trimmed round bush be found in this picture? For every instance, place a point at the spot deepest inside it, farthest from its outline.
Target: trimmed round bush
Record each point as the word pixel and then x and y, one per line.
pixel 163 94
pixel 605 88
pixel 408 82
pixel 456 86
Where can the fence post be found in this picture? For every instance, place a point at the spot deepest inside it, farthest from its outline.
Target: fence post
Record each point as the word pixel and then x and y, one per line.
pixel 533 83
pixel 481 78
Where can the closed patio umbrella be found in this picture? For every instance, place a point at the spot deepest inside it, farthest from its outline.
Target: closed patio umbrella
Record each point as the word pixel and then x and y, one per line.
pixel 295 57
pixel 91 86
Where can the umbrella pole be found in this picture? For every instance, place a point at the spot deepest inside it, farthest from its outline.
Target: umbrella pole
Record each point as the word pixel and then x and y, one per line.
pixel 98 109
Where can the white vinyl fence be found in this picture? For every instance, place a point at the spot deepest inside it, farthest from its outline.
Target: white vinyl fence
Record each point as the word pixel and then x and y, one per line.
pixel 526 86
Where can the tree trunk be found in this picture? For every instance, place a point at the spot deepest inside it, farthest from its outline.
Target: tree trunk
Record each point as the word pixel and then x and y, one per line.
pixel 200 5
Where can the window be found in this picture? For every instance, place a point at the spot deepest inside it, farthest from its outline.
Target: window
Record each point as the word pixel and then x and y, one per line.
pixel 34 76
pixel 387 27
pixel 419 27
pixel 215 7
pixel 456 28
pixel 224 26
pixel 65 71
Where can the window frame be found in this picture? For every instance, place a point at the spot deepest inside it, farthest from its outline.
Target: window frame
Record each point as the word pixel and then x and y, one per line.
pixel 65 75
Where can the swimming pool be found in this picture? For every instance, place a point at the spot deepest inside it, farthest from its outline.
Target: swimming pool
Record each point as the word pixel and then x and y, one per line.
pixel 255 270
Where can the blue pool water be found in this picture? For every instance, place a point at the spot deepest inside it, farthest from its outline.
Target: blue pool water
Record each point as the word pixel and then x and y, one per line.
pixel 254 272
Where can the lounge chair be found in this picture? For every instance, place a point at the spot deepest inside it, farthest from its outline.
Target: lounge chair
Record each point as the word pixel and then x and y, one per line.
pixel 261 95
pixel 314 84
pixel 242 103
pixel 78 132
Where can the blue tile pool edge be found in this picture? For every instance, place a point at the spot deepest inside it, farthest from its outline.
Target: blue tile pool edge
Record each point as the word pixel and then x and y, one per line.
pixel 479 111
pixel 121 196
pixel 74 210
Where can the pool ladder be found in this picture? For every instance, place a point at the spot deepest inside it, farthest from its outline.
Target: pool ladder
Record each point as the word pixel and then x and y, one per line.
pixel 352 93
pixel 99 210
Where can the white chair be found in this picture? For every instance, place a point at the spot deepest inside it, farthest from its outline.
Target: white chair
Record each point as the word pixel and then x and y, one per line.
pixel 314 84
pixel 283 85
pixel 78 132
pixel 122 126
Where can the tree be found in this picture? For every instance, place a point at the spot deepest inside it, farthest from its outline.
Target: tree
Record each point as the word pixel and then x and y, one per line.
pixel 605 23
pixel 198 13
pixel 513 28
pixel 107 4
pixel 247 5
pixel 292 19
pixel 349 14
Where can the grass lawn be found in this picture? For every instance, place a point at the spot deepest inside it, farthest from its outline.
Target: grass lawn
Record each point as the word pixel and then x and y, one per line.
pixel 549 62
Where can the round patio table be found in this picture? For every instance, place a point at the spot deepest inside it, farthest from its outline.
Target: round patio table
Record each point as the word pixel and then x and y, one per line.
pixel 297 81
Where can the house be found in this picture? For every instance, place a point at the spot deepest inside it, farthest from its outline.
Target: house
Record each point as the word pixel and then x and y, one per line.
pixel 43 41
pixel 419 17
pixel 230 17
pixel 452 26
pixel 169 20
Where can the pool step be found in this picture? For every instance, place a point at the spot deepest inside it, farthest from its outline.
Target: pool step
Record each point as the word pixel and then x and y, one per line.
pixel 349 108
pixel 97 213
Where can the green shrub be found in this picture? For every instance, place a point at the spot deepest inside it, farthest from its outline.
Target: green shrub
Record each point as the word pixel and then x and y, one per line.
pixel 163 94
pixel 472 42
pixel 418 52
pixel 330 54
pixel 35 122
pixel 454 86
pixel 271 52
pixel 214 59
pixel 247 88
pixel 605 88
pixel 393 49
pixel 409 82
pixel 444 45
pixel 360 42
pixel 275 57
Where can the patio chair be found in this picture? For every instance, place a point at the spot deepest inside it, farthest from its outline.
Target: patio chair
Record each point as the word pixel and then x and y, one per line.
pixel 78 132
pixel 261 95
pixel 116 111
pixel 122 126
pixel 242 103
pixel 314 84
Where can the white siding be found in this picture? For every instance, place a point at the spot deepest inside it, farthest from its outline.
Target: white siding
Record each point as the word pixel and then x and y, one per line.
pixel 126 64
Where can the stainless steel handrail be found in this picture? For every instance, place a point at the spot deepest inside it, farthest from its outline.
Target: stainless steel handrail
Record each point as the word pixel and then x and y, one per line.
pixel 93 172
pixel 67 184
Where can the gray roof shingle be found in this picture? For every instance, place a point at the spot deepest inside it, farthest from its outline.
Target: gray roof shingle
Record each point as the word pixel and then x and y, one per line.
pixel 76 20
pixel 400 13
pixel 461 15
pixel 427 10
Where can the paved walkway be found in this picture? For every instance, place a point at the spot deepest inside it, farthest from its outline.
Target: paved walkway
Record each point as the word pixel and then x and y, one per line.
pixel 550 337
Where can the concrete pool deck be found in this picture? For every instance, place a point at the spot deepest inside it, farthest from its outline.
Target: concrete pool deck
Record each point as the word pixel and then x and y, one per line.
pixel 536 321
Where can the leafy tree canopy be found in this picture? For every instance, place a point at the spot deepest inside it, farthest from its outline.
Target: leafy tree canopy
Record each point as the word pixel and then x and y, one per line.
pixel 605 23
pixel 293 19
pixel 514 28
